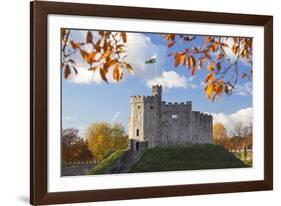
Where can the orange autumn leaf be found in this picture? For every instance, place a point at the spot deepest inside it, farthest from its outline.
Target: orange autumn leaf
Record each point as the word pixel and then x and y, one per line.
pixel 83 53
pixel 218 66
pixel 103 75
pixel 105 55
pixel 200 64
pixel 177 59
pixel 187 63
pixel 67 71
pixel 116 73
pixel 170 37
pixel 210 76
pixel 235 49
pixel 89 38
pixel 91 57
pixel 75 70
pixel 129 67
pixel 211 67
pixel 193 63
pixel 214 97
pixel 112 62
pixel 171 44
pixel 74 45
pixel 209 90
pixel 124 36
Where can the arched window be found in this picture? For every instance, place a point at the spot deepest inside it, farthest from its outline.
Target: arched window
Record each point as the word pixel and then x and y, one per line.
pixel 138 132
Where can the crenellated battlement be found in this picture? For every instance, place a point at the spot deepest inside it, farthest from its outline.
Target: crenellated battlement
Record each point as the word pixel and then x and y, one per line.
pixel 174 106
pixel 176 103
pixel 142 99
pixel 137 98
pixel 201 114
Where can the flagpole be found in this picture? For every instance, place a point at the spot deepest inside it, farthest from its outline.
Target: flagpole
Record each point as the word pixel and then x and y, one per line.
pixel 155 67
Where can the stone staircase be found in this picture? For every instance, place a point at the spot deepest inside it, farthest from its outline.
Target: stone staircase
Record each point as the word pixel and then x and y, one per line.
pixel 125 162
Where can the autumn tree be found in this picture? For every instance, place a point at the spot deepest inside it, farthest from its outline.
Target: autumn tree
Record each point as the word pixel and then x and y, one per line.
pixel 219 133
pixel 242 139
pixel 120 140
pixel 222 67
pixel 103 139
pixel 101 53
pixel 226 143
pixel 69 138
pixel 81 152
pixel 249 138
pixel 74 148
pixel 240 130
pixel 236 143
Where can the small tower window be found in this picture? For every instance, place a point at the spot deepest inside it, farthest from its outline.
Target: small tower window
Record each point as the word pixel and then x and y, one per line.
pixel 174 116
pixel 138 132
pixel 151 107
pixel 138 106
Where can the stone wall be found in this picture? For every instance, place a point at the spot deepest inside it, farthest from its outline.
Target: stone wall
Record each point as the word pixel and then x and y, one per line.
pixel 202 127
pixel 176 123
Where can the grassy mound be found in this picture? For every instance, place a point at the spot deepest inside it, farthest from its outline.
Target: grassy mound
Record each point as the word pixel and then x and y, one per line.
pixel 106 163
pixel 186 157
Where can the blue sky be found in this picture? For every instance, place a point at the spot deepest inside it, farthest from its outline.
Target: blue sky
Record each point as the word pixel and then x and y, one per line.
pixel 87 99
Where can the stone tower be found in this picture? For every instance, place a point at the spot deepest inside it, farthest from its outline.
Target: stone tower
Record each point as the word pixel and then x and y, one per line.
pixel 157 91
pixel 144 120
pixel 153 115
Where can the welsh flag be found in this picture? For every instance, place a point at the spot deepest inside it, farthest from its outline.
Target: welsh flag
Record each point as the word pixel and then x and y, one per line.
pixel 151 60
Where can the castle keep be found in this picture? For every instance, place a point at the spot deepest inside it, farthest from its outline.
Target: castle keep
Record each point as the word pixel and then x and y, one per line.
pixel 153 122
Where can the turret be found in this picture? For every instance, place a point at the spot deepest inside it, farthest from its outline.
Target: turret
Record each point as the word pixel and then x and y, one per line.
pixel 157 90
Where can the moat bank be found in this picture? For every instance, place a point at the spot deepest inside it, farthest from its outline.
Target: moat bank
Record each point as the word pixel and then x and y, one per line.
pixel 175 158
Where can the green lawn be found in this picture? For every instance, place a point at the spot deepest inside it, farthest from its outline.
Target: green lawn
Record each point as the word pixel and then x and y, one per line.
pixel 106 163
pixel 186 157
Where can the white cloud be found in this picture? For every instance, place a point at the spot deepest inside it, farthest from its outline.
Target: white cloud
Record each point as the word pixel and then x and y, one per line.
pixel 243 90
pixel 140 48
pixel 84 76
pixel 229 121
pixel 171 79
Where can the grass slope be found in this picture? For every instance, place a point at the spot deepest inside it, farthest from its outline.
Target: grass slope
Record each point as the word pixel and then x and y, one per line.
pixel 186 157
pixel 106 163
